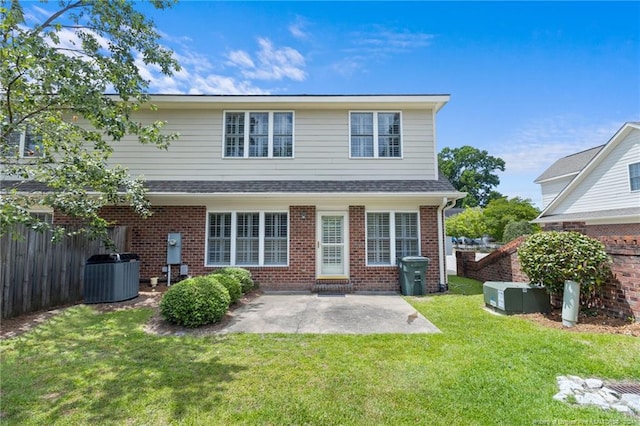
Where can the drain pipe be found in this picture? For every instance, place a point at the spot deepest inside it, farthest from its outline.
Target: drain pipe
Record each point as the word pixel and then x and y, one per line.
pixel 446 205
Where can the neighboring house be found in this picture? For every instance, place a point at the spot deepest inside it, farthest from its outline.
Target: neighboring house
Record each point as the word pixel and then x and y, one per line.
pixel 597 190
pixel 301 190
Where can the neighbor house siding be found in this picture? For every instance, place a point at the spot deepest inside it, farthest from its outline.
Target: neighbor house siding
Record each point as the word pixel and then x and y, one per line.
pixel 551 189
pixel 607 184
pixel 321 150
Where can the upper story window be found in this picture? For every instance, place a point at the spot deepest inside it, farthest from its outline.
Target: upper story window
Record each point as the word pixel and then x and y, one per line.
pixel 26 144
pixel 634 176
pixel 375 135
pixel 265 134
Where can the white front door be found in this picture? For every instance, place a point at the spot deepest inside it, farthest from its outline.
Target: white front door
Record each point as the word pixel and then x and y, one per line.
pixel 332 246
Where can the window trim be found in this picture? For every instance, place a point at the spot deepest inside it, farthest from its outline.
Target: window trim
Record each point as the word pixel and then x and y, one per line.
pixel 21 145
pixel 629 176
pixel 234 233
pixel 247 129
pixel 376 135
pixel 392 235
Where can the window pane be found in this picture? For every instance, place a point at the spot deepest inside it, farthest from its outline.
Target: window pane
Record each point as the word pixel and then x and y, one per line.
pixel 275 239
pixel 634 176
pixel 219 249
pixel 234 134
pixel 282 134
pixel 259 134
pixel 247 238
pixel 378 242
pixel 32 145
pixel 389 135
pixel 362 134
pixel 407 240
pixel 12 146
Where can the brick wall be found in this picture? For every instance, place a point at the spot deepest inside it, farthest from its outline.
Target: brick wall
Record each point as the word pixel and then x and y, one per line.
pixel 621 295
pixel 429 245
pixel 500 265
pixel 148 239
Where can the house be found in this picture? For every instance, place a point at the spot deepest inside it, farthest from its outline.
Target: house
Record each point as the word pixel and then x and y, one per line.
pixel 305 191
pixel 597 190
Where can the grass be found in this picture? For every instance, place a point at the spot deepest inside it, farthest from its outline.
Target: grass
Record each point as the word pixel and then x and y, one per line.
pixel 82 367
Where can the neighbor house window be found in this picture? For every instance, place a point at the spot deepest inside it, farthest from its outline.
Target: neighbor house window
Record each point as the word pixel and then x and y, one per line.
pixel 248 239
pixel 391 236
pixel 260 134
pixel 25 144
pixel 634 176
pixel 375 135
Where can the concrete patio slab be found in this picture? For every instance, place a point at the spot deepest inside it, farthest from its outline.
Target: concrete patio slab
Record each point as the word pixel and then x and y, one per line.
pixel 329 314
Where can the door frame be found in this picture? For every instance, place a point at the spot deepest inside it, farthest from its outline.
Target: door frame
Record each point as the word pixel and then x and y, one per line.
pixel 345 231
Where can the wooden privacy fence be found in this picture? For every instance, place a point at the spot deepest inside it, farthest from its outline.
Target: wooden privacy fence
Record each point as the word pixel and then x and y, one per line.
pixel 36 274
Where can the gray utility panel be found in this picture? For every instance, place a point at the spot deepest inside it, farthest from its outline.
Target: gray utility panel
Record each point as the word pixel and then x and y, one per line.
pixel 111 278
pixel 515 298
pixel 174 248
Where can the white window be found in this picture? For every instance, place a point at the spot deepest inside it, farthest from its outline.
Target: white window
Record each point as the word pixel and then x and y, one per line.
pixel 391 236
pixel 634 176
pixel 248 239
pixel 25 144
pixel 264 134
pixel 375 135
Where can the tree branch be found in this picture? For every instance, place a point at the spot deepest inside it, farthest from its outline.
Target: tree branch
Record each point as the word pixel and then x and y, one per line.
pixel 56 15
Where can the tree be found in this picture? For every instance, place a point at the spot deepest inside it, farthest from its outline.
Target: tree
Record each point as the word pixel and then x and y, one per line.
pixel 517 228
pixel 58 125
pixel 473 171
pixel 499 212
pixel 468 223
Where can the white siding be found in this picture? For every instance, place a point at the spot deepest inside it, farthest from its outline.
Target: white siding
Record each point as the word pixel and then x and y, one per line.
pixel 551 189
pixel 321 150
pixel 607 185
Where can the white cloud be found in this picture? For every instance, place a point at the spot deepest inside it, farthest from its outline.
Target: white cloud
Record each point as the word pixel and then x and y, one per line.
pixel 241 59
pixel 271 63
pixel 297 28
pixel 537 145
pixel 390 41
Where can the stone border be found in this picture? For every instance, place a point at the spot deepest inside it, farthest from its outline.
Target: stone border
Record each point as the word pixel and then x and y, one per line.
pixel 576 390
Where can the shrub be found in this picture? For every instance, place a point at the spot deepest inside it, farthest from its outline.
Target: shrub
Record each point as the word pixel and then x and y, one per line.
pixel 551 258
pixel 241 274
pixel 195 302
pixel 517 228
pixel 232 284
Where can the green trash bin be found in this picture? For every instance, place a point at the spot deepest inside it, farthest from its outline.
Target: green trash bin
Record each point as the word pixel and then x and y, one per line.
pixel 413 275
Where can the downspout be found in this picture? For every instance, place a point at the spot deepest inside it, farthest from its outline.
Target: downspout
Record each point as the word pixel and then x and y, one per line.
pixel 446 205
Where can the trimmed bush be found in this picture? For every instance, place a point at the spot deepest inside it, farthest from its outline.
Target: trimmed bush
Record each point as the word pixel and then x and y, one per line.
pixel 232 285
pixel 241 274
pixel 194 302
pixel 551 258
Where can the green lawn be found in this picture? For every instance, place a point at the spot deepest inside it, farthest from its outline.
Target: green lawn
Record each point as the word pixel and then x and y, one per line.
pixel 82 367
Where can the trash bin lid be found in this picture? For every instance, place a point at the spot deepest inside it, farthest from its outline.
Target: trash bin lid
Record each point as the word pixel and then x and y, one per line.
pixel 418 259
pixel 112 258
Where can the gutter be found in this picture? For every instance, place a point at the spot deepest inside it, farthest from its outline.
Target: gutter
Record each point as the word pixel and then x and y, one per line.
pixel 446 205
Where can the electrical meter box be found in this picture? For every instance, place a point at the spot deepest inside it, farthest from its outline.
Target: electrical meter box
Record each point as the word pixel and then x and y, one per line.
pixel 174 248
pixel 515 298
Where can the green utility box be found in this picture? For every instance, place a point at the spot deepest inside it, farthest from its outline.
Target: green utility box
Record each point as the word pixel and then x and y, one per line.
pixel 515 298
pixel 412 271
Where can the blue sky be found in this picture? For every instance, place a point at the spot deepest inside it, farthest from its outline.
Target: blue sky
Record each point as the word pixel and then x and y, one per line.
pixel 529 82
